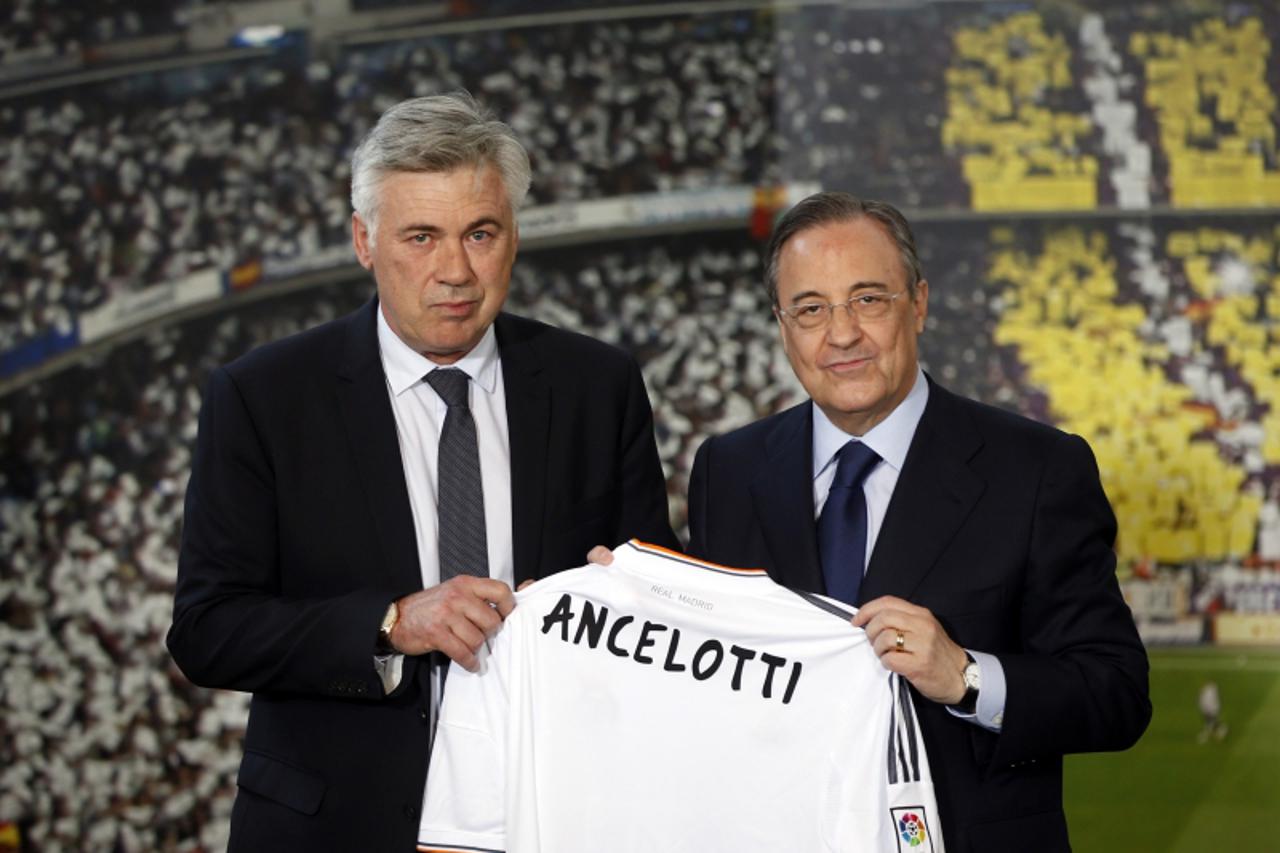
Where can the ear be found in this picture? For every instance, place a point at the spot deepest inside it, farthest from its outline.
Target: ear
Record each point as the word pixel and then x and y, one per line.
pixel 360 241
pixel 920 304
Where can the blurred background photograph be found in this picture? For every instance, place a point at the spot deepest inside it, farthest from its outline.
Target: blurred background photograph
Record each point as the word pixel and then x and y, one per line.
pixel 1095 189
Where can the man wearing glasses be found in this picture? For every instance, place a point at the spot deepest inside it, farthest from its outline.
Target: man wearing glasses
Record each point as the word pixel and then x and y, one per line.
pixel 978 545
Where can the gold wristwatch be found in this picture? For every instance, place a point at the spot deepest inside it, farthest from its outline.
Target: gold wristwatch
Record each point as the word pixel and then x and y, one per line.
pixel 389 620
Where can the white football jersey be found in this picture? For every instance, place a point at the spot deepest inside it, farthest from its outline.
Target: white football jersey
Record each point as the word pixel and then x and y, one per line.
pixel 667 704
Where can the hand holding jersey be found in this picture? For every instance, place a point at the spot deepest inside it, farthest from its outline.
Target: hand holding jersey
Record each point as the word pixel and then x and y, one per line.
pixel 926 656
pixel 454 617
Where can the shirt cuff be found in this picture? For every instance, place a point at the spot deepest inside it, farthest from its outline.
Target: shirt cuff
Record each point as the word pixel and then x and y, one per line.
pixel 389 669
pixel 990 711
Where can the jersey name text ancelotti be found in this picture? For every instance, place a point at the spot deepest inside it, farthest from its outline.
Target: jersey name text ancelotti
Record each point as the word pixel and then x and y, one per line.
pixel 703 663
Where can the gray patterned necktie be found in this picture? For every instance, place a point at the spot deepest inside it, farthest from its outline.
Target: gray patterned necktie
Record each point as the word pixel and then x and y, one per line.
pixel 459 495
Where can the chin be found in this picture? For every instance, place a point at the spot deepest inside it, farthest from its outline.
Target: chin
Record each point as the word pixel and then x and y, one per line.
pixel 859 396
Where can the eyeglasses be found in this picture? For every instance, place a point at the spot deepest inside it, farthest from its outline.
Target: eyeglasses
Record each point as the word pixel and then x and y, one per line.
pixel 818 315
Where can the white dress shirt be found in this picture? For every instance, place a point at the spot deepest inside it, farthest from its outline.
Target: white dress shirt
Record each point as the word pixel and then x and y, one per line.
pixel 419 413
pixel 890 439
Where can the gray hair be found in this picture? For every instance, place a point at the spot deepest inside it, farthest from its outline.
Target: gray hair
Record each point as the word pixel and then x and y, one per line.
pixel 829 207
pixel 437 133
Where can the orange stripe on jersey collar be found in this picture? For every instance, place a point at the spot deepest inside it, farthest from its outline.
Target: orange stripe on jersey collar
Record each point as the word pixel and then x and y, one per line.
pixel 685 558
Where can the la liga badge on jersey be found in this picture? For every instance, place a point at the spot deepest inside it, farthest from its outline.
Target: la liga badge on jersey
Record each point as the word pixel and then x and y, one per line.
pixel 913 830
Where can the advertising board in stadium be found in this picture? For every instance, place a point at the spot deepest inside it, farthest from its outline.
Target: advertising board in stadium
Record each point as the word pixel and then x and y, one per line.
pixel 1247 629
pixel 127 310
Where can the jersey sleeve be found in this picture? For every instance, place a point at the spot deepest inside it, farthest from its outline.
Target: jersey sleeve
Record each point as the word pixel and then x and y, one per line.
pixel 464 806
pixel 887 800
pixel 911 807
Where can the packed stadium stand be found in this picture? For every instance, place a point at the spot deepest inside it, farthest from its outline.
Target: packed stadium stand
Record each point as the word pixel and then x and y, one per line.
pixel 39 30
pixel 1163 438
pixel 1214 106
pixel 1076 179
pixel 119 185
pixel 1016 116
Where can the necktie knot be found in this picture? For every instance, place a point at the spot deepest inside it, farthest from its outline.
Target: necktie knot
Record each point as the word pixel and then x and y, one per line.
pixel 854 462
pixel 451 384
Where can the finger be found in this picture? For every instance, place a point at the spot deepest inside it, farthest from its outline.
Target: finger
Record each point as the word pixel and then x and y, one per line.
pixel 870 610
pixel 889 620
pixel 876 606
pixel 600 555
pixel 506 603
pixel 900 664
pixel 873 627
pixel 481 614
pixel 524 584
pixel 471 635
pixel 452 646
pixel 461 642
pixel 489 590
pixel 458 652
pixel 886 642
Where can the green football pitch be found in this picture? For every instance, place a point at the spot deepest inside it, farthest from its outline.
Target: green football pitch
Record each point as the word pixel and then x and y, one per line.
pixel 1173 794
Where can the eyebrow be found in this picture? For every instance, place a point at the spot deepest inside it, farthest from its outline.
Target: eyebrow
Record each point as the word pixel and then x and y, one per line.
pixel 414 228
pixel 854 288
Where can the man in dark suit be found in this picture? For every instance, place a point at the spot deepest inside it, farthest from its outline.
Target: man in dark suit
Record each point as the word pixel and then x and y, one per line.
pixel 364 495
pixel 987 539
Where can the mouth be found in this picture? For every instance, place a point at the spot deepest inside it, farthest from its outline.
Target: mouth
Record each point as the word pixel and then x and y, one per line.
pixel 847 365
pixel 458 308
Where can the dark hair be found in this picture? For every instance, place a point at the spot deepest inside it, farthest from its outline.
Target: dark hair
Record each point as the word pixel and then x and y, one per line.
pixel 827 207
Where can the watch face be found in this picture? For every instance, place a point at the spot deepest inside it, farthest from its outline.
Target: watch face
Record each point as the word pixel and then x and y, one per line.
pixel 971 676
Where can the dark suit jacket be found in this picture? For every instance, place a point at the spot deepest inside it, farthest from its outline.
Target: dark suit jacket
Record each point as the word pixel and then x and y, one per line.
pixel 298 533
pixel 998 525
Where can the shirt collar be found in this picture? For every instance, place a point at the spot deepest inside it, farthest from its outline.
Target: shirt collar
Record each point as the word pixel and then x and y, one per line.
pixel 405 367
pixel 890 438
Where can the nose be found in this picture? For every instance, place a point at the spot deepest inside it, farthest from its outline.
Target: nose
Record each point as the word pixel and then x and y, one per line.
pixel 453 265
pixel 844 327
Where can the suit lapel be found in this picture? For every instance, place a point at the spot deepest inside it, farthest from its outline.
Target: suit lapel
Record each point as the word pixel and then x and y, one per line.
pixel 783 495
pixel 528 427
pixel 936 491
pixel 371 436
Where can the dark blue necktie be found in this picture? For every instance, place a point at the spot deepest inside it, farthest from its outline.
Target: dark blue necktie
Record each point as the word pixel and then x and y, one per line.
pixel 842 527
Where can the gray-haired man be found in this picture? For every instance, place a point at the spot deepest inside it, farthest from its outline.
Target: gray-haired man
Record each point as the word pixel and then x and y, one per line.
pixel 365 494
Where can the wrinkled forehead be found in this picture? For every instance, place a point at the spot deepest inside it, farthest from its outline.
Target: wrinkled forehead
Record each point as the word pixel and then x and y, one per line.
pixel 469 178
pixel 838 257
pixel 470 190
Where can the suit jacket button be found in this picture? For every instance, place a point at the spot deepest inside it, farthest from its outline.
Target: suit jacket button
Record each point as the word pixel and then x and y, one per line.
pixel 410 811
pixel 425 715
